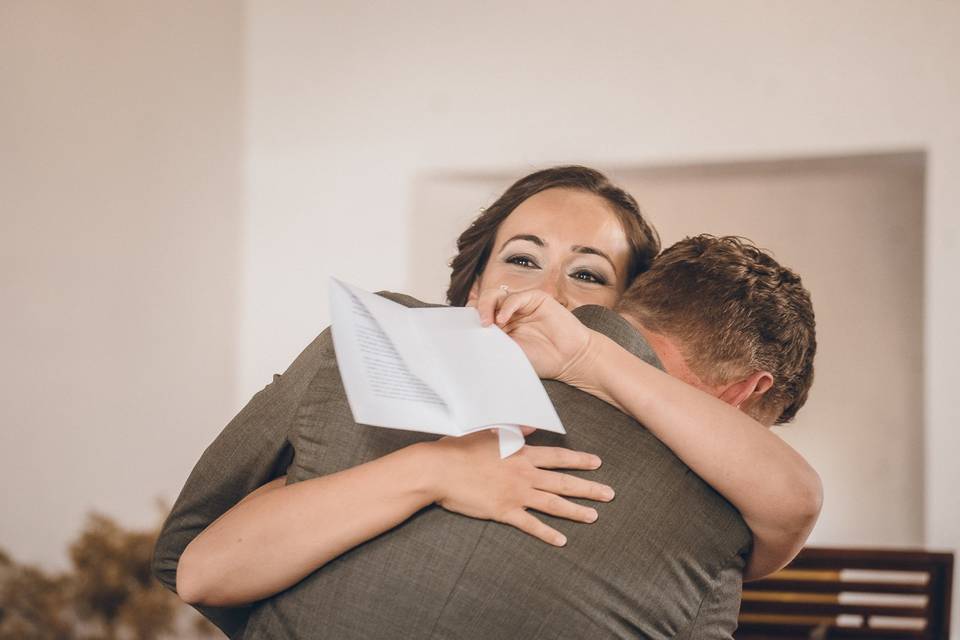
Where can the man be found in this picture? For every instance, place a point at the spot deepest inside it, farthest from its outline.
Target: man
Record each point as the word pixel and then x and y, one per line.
pixel 664 560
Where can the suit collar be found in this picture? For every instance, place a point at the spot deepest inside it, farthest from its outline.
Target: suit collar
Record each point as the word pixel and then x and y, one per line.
pixel 612 325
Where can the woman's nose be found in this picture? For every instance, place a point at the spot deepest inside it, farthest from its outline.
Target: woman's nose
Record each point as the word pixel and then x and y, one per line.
pixel 562 298
pixel 558 289
pixel 549 286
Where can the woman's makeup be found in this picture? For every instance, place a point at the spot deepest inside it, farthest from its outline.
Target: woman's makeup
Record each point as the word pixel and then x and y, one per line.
pixel 565 242
pixel 597 271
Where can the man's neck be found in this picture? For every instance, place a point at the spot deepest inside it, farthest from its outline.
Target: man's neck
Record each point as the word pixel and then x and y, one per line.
pixel 674 363
pixel 669 353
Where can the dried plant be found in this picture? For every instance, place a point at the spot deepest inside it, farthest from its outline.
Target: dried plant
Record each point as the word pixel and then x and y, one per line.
pixel 33 605
pixel 110 593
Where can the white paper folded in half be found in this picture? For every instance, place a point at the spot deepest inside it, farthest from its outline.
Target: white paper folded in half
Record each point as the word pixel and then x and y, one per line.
pixel 435 370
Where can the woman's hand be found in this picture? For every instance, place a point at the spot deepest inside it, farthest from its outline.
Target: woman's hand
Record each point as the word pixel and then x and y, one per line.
pixel 555 342
pixel 474 481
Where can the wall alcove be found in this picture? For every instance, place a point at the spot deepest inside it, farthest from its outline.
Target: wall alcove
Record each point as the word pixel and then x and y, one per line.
pixel 852 226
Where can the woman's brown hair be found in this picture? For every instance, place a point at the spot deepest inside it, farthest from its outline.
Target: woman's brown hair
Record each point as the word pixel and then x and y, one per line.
pixel 475 244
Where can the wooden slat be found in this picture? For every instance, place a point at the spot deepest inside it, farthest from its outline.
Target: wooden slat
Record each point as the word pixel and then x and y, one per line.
pixel 786 596
pixel 835 586
pixel 816 575
pixel 766 631
pixel 790 573
pixel 841 632
pixel 777 618
pixel 881 559
pixel 827 608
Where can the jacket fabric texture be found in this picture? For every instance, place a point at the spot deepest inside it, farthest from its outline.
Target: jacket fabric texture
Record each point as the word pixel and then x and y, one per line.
pixel 664 559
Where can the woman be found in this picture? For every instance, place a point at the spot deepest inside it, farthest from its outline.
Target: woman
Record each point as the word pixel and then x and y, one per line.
pixel 566 232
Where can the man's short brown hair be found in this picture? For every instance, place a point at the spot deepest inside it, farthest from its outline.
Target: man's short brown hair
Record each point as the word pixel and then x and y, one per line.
pixel 733 310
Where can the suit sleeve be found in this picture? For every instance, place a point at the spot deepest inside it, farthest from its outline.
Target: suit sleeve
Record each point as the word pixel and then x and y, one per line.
pixel 716 618
pixel 253 449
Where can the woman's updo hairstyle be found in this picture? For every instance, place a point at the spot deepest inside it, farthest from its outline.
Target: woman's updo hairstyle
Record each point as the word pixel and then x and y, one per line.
pixel 475 244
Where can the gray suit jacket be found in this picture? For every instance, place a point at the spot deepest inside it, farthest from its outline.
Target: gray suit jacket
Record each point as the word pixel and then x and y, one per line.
pixel 664 560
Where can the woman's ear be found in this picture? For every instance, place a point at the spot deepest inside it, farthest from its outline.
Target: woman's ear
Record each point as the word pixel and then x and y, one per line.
pixel 748 389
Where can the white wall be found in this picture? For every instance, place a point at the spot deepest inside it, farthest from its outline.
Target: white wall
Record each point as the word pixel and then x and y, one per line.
pixel 350 105
pixel 120 197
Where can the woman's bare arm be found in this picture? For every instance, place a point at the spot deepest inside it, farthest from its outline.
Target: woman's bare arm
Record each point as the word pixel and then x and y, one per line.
pixel 776 491
pixel 281 533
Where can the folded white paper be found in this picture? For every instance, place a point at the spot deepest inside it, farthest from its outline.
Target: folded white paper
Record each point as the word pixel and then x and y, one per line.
pixel 435 370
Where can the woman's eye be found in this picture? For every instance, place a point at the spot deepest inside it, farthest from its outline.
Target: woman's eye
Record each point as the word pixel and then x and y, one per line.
pixel 589 276
pixel 522 261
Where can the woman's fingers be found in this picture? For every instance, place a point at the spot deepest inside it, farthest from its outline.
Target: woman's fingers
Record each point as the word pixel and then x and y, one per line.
pixel 560 458
pixel 564 484
pixel 554 505
pixel 511 304
pixel 529 524
pixel 488 303
pixel 500 304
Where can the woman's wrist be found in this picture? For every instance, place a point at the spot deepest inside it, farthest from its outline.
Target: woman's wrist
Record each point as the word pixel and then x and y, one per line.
pixel 588 370
pixel 422 468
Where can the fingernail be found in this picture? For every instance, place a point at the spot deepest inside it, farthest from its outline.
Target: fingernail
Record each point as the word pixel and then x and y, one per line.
pixel 592 515
pixel 561 540
pixel 597 462
pixel 608 493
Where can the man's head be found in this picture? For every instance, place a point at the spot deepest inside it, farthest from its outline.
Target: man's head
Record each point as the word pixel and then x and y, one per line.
pixel 726 317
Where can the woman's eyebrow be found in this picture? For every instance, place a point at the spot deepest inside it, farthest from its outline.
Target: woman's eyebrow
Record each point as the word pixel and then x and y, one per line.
pixel 525 236
pixel 593 251
pixel 537 240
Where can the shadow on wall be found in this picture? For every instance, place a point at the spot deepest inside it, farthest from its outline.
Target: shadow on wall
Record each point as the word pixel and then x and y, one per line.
pixel 109 593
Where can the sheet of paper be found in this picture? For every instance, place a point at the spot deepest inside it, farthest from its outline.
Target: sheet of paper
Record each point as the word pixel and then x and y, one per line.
pixel 381 389
pixel 435 370
pixel 488 377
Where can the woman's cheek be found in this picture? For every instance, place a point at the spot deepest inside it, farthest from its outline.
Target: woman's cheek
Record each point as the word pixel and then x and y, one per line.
pixel 516 280
pixel 605 297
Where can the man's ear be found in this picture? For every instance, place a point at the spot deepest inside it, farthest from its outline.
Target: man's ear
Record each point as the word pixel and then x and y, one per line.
pixel 474 293
pixel 748 389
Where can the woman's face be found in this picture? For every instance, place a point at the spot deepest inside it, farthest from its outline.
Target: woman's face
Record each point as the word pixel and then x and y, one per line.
pixel 566 242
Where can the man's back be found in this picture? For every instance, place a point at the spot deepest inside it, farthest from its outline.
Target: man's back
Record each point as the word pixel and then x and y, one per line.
pixel 665 548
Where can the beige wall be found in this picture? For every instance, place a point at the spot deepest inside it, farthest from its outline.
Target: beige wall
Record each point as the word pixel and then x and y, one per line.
pixel 120 198
pixel 853 229
pixel 351 108
pixel 133 135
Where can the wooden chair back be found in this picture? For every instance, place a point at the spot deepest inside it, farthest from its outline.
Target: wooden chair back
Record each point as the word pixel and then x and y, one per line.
pixel 851 593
